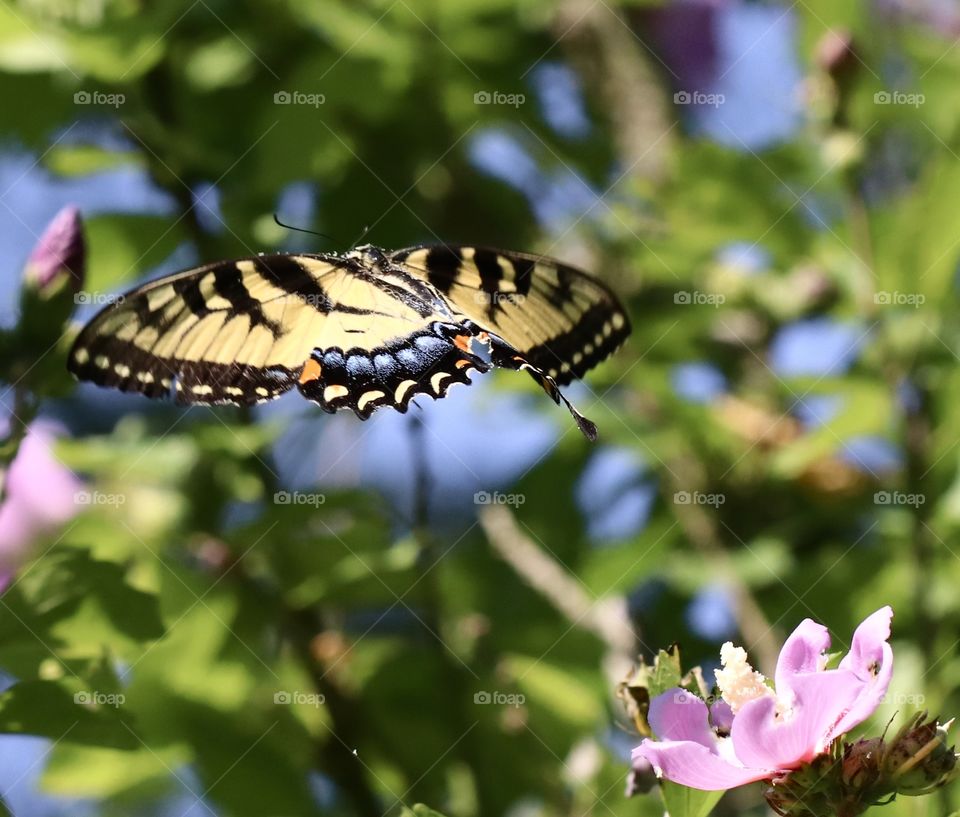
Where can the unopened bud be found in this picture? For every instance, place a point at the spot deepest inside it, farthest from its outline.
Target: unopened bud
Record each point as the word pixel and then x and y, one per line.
pixel 812 790
pixel 861 763
pixel 59 256
pixel 919 759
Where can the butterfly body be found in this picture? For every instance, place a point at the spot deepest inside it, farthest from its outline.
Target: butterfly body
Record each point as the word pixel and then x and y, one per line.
pixel 358 331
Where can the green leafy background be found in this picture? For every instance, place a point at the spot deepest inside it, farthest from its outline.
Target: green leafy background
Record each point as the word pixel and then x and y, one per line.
pixel 332 659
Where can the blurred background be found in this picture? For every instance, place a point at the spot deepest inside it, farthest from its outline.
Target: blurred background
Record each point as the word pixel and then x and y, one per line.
pixel 279 612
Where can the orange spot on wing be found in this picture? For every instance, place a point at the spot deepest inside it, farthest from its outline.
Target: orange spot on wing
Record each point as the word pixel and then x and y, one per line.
pixel 461 363
pixel 311 371
pixel 462 342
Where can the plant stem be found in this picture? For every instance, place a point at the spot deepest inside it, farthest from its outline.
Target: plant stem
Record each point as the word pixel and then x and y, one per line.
pixel 23 412
pixel 336 756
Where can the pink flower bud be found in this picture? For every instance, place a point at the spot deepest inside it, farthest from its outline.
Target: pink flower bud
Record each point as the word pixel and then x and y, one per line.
pixel 59 256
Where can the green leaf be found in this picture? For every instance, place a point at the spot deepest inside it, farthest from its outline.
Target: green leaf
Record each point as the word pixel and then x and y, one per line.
pixel 50 709
pixel 99 771
pixel 684 802
pixel 80 160
pixel 561 691
pixel 420 810
pixel 123 248
pixel 89 603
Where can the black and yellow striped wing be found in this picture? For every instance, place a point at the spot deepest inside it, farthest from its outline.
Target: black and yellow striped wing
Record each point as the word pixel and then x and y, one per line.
pixel 356 331
pixel 562 320
pixel 230 332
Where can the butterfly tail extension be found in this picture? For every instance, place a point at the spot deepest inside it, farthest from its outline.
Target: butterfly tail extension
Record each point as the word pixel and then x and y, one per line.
pixel 505 356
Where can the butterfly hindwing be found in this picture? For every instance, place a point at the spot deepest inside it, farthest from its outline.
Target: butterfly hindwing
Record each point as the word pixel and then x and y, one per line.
pixel 428 361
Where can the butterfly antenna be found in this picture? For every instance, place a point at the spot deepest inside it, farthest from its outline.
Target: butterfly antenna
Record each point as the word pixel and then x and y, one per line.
pixel 276 219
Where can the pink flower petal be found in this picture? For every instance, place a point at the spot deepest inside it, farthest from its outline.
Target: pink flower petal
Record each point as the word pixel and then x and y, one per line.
pixel 40 497
pixel 691 764
pixel 721 716
pixel 869 642
pixel 38 482
pixel 820 699
pixel 801 653
pixel 680 716
pixel 871 660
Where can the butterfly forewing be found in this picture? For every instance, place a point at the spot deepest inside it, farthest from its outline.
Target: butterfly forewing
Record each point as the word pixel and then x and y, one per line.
pixel 232 332
pixel 561 319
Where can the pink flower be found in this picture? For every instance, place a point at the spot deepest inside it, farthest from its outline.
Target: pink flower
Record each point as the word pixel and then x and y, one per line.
pixel 756 733
pixel 60 254
pixel 40 497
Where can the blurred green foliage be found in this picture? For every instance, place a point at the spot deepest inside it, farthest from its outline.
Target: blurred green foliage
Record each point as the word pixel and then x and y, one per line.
pixel 202 629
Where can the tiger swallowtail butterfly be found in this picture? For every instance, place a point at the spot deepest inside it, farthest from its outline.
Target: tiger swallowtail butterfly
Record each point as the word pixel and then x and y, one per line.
pixel 358 331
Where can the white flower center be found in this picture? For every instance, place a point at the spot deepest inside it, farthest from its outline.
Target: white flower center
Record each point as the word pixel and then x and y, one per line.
pixel 738 681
